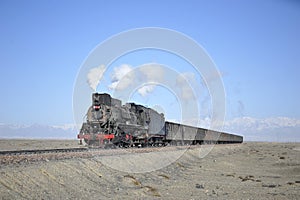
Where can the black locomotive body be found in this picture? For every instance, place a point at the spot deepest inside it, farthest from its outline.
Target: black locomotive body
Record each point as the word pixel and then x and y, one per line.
pixel 108 122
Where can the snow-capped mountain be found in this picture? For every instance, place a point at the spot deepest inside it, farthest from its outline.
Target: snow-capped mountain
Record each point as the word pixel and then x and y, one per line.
pixel 37 131
pixel 275 129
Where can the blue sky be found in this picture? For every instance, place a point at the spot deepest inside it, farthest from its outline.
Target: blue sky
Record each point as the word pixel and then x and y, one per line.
pixel 254 44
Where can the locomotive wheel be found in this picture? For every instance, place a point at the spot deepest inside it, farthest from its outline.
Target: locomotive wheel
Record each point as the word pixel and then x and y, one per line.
pixel 106 141
pixel 93 143
pixel 89 142
pixel 107 144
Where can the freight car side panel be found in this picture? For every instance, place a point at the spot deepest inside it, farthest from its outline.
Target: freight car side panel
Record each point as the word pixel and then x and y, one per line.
pixel 189 133
pixel 173 131
pixel 200 134
pixel 179 132
pixel 225 138
pixel 211 135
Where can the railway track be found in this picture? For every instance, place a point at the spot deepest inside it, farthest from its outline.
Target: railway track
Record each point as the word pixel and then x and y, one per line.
pixel 91 150
pixel 35 155
pixel 41 151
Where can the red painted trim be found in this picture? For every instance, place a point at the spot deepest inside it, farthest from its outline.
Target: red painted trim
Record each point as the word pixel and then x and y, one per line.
pixel 80 136
pixel 98 136
pixel 128 137
pixel 106 136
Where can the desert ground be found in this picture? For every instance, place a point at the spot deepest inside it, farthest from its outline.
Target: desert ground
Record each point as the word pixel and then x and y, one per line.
pixel 251 170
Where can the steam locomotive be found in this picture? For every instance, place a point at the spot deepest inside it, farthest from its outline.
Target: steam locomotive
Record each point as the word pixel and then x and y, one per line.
pixel 109 123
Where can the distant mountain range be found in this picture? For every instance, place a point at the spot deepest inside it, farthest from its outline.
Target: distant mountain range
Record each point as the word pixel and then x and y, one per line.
pixel 278 129
pixel 275 129
pixel 38 131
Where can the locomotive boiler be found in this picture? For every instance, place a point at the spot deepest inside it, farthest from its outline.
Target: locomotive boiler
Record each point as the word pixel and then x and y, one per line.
pixel 109 123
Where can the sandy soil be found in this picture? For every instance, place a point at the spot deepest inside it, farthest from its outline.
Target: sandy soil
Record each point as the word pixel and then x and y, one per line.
pixel 18 144
pixel 243 171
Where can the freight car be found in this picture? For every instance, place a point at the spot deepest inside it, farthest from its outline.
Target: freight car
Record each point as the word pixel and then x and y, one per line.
pixel 180 134
pixel 109 123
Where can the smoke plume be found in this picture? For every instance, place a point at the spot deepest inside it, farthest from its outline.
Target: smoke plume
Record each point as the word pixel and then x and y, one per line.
pixel 150 72
pixel 121 78
pixel 146 89
pixel 94 76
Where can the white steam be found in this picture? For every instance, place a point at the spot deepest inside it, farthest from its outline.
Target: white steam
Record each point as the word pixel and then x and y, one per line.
pixel 94 76
pixel 125 75
pixel 122 73
pixel 152 73
pixel 183 82
pixel 146 89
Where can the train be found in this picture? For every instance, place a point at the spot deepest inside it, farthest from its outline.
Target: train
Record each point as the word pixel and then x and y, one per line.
pixel 109 123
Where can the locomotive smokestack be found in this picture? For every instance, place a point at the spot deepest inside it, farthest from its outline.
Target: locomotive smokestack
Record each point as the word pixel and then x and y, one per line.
pixel 96 101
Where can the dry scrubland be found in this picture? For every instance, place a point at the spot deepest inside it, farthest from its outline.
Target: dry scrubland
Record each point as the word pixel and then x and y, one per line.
pixel 243 171
pixel 18 144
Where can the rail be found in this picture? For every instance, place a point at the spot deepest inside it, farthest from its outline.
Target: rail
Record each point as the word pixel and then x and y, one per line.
pixel 41 151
